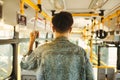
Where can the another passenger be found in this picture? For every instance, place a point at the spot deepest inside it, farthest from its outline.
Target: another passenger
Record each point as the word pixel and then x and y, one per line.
pixel 59 59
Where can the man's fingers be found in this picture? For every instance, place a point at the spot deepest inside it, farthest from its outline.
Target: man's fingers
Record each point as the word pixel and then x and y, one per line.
pixel 34 34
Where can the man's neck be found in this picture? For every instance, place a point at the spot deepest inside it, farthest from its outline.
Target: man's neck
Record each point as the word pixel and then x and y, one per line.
pixel 61 34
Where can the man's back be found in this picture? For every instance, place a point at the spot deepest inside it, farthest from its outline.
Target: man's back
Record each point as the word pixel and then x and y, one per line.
pixel 63 60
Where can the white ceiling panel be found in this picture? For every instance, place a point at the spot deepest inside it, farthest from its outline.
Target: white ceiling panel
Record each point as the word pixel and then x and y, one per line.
pixel 111 6
pixel 67 5
pixel 47 4
pixel 77 4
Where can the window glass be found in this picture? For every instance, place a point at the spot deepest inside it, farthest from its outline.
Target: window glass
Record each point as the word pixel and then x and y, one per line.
pixel 104 55
pixel 42 35
pixel 108 55
pixel 23 48
pixel 6 58
pixel 112 56
pixel 95 54
pixel 24 32
pixel 6 31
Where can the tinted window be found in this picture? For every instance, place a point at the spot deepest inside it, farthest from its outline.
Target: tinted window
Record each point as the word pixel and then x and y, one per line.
pixel 6 55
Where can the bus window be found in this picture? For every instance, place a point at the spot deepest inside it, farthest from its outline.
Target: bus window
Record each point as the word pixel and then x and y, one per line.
pixel 6 58
pixel 23 48
pixel 104 55
pixel 109 55
pixel 6 31
pixel 24 33
pixel 112 56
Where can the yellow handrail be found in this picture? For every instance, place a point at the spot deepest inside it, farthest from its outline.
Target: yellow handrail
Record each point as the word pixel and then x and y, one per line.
pixel 84 14
pixel 35 7
pixel 112 15
pixel 104 67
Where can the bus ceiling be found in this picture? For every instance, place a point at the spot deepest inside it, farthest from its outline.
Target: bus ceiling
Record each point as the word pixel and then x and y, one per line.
pixel 83 8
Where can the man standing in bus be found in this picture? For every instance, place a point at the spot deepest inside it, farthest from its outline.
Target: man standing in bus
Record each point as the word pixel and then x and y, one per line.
pixel 59 59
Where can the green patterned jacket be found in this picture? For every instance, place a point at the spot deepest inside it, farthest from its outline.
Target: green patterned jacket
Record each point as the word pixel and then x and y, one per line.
pixel 59 60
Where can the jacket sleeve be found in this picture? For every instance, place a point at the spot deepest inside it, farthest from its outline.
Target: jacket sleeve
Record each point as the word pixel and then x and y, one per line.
pixel 88 69
pixel 30 62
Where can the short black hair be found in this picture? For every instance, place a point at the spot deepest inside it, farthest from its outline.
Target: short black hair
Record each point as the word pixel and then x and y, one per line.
pixel 62 21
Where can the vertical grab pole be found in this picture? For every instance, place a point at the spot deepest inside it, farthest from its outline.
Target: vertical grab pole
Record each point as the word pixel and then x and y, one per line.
pixel 22 6
pixel 91 52
pixel 39 1
pixel 91 42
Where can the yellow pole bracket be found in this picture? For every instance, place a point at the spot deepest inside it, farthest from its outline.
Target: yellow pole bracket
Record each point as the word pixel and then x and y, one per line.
pixel 31 4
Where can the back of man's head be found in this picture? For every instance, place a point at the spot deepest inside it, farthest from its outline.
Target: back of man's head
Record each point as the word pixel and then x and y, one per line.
pixel 62 21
